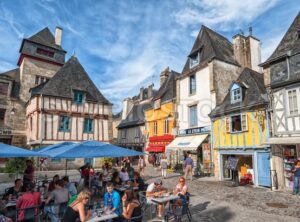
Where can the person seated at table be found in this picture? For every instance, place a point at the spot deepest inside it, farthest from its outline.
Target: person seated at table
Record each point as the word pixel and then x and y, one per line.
pixel 131 206
pixel 5 219
pixel 4 213
pixel 112 200
pixel 124 175
pixel 106 169
pixel 76 210
pixel 116 180
pixel 156 189
pixel 181 190
pixel 51 186
pixel 70 186
pixel 60 195
pixel 30 198
pixel 13 192
pixel 138 181
pixel 28 174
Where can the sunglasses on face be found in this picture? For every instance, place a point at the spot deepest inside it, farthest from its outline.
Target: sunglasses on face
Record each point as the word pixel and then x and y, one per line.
pixel 181 181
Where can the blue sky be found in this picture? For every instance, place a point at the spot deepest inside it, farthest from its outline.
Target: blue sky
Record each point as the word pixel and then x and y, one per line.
pixel 125 44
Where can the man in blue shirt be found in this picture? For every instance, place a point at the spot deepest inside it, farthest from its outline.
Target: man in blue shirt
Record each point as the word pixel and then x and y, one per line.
pixel 112 200
pixel 189 165
pixel 296 178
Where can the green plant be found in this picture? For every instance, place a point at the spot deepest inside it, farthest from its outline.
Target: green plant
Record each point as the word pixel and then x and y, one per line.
pixel 109 161
pixel 15 165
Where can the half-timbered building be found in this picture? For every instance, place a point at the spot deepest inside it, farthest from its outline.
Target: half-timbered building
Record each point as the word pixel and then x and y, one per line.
pixel 282 79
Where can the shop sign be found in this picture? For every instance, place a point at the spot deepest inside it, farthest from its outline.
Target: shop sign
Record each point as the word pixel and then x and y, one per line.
pixel 206 153
pixel 205 129
pixel 157 104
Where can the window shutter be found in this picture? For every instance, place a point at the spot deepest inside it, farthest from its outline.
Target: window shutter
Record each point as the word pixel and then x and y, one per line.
pixel 244 121
pixel 227 124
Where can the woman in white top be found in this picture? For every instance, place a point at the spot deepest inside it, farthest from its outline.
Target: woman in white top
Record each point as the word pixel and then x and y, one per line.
pixel 181 190
pixel 141 165
pixel 164 166
pixel 124 175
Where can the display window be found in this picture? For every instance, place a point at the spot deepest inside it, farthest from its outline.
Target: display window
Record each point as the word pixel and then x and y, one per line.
pixel 289 159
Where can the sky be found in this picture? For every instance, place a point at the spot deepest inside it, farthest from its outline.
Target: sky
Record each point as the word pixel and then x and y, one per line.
pixel 125 44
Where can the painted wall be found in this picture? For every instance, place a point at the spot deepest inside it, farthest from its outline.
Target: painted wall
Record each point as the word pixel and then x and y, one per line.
pixel 253 137
pixel 159 116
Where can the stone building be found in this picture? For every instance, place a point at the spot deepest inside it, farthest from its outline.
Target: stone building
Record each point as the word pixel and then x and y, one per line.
pixel 213 63
pixel 282 79
pixel 131 130
pixel 41 56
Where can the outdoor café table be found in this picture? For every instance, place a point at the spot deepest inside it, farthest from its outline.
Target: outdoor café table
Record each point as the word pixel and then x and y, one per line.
pixel 164 199
pixel 123 188
pixel 103 217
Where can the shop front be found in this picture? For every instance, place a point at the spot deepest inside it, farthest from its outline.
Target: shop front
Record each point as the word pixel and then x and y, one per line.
pixel 285 153
pixel 197 145
pixel 247 166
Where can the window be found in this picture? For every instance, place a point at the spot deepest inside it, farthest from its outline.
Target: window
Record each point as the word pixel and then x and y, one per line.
pixel 239 123
pixel 78 97
pixel 155 128
pixel 64 124
pixel 2 115
pixel 40 79
pixel 123 133
pixel 293 103
pixel 236 93
pixel 166 126
pixel 193 121
pixel 192 84
pixel 88 125
pixel 44 52
pixel 3 88
pixel 145 94
pixel 137 132
pixel 194 60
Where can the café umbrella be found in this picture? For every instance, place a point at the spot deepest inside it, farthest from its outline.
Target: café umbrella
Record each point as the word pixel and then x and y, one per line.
pixel 9 151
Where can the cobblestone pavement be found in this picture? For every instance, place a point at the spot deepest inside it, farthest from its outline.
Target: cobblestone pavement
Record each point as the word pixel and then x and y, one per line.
pixel 214 201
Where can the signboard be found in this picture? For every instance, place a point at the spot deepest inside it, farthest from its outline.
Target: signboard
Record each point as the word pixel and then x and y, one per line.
pixel 206 153
pixel 197 130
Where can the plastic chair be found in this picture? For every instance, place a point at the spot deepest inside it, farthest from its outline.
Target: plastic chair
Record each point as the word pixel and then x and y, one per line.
pixel 179 211
pixel 30 214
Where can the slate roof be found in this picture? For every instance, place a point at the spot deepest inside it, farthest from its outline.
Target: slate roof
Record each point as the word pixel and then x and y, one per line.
pixel 167 91
pixel 289 42
pixel 211 45
pixel 255 94
pixel 14 76
pixel 45 37
pixel 71 76
pixel 136 116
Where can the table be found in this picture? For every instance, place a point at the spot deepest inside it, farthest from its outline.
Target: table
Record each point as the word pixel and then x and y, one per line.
pixel 11 203
pixel 103 217
pixel 164 199
pixel 123 188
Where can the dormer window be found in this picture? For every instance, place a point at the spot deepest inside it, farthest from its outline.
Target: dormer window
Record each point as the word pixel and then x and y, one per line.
pixel 78 97
pixel 236 93
pixel 3 88
pixel 194 60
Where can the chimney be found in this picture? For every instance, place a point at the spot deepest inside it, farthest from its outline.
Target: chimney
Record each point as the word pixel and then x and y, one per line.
pixel 127 106
pixel 164 75
pixel 58 34
pixel 150 90
pixel 141 93
pixel 247 51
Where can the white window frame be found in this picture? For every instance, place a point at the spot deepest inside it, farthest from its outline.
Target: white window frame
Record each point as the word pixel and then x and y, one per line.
pixel 166 126
pixel 235 88
pixel 123 134
pixel 297 89
pixel 137 132
pixel 244 123
pixel 189 114
pixel 190 88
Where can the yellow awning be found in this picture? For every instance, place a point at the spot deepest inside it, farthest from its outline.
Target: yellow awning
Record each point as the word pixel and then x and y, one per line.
pixel 187 143
pixel 282 140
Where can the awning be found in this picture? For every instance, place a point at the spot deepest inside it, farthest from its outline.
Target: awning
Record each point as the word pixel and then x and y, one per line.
pixel 156 149
pixel 282 140
pixel 187 142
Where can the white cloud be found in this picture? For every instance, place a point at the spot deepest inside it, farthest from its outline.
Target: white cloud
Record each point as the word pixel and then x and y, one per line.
pixel 222 14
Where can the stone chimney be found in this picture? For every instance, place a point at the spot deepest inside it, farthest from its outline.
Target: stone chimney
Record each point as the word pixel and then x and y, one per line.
pixel 127 106
pixel 58 34
pixel 164 75
pixel 247 51
pixel 141 95
pixel 150 90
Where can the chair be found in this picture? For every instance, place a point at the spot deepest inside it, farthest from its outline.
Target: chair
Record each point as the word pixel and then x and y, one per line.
pixel 179 211
pixel 136 219
pixel 144 204
pixel 56 212
pixel 30 214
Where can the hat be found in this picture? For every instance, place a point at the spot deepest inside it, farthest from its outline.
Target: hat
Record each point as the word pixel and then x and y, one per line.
pixel 158 181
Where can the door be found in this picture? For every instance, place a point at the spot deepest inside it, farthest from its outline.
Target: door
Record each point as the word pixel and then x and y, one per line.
pixel 263 166
pixel 89 160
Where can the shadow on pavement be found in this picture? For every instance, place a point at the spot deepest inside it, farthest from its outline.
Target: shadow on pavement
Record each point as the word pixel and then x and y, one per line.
pixel 220 214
